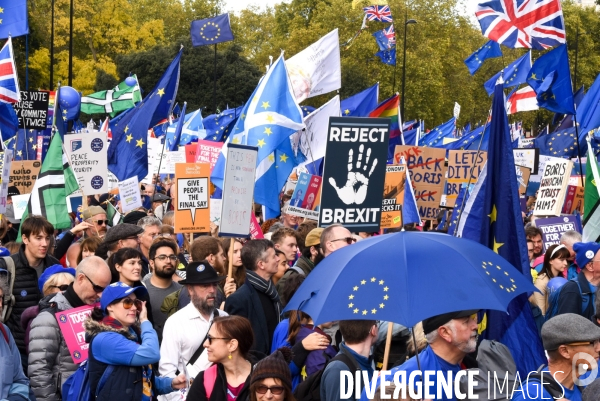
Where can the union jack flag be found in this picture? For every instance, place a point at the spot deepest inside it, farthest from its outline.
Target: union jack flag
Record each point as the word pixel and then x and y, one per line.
pixel 378 13
pixel 9 84
pixel 536 24
pixel 390 35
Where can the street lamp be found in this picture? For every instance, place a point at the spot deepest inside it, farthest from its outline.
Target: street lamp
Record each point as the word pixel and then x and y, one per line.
pixel 406 23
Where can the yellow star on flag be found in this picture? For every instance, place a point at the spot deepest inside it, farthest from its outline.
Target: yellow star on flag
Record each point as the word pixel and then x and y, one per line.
pixel 261 143
pixel 129 138
pixel 265 105
pixel 268 131
pixel 493 215
pixel 355 310
pixel 283 158
pixel 160 92
pixel 126 128
pixel 497 245
pixel 140 143
pixel 363 282
pixel 346 112
pixel 19 153
pixel 364 312
pixel 270 119
pixel 381 306
pixel 1 10
pixel 236 140
pixel 372 279
pixel 34 147
pixel 271 158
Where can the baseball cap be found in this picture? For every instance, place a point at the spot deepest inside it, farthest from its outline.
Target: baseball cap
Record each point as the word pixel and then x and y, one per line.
pixel 117 291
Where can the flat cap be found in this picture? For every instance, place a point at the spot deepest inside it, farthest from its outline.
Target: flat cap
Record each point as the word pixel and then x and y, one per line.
pixel 314 237
pixel 122 231
pixel 92 211
pixel 134 216
pixel 158 197
pixel 568 328
pixel 435 322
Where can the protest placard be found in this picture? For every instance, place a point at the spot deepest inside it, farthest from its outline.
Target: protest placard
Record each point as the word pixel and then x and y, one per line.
pixel 554 227
pixel 129 192
pixel 534 179
pixel 238 190
pixel 24 174
pixel 154 158
pixel 215 210
pixel 32 110
pixel 553 188
pixel 255 231
pixel 170 159
pixel 305 194
pixel 354 172
pixel 427 171
pixel 393 196
pixel 87 154
pixel 207 152
pixel 70 323
pixel 464 167
pixel 5 162
pixel 527 158
pixel 573 200
pixel 523 174
pixel 192 208
pixel 20 204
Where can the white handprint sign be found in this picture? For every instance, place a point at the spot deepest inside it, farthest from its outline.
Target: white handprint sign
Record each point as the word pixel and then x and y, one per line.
pixel 357 183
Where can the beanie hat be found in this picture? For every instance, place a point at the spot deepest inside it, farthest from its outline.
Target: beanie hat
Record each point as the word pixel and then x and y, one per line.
pixel 585 252
pixel 275 366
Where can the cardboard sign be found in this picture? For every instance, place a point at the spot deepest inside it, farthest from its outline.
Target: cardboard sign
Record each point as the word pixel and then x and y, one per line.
pixel 534 179
pixel 573 200
pixel 5 162
pixel 464 167
pixel 354 172
pixel 129 192
pixel 24 174
pixel 192 212
pixel 523 174
pixel 427 171
pixel 87 154
pixel 32 110
pixel 70 323
pixel 393 196
pixel 238 191
pixel 304 198
pixel 554 227
pixel 527 158
pixel 207 152
pixel 553 188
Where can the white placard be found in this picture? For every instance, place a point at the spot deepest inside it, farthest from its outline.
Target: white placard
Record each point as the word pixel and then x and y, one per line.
pixel 154 152
pixel 87 154
pixel 238 191
pixel 20 204
pixel 553 188
pixel 456 110
pixel 129 192
pixel 113 181
pixel 215 211
pixel 5 171
pixel 170 158
pixel 527 158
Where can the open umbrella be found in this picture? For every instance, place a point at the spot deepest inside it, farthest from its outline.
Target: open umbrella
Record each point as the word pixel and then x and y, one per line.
pixel 407 277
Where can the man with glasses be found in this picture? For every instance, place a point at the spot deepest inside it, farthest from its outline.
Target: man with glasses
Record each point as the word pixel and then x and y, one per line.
pixel 579 294
pixel 572 344
pixel 334 237
pixel 163 261
pixel 50 362
pixel 151 226
pixel 96 216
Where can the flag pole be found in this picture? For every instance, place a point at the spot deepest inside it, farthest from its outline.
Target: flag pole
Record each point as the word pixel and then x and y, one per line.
pixel 71 45
pixel 215 83
pixel 575 115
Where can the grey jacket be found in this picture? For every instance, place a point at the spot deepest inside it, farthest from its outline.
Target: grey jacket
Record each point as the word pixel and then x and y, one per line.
pixel 50 363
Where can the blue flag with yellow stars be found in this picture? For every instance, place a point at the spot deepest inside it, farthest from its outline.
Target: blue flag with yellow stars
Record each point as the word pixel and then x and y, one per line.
pixel 361 104
pixel 515 74
pixel 550 78
pixel 387 56
pixel 492 217
pixel 13 18
pixel 435 137
pixel 219 126
pixel 490 50
pixel 561 143
pixel 211 31
pixel 128 150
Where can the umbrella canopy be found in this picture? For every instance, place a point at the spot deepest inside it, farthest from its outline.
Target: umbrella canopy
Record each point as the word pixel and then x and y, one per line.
pixel 407 277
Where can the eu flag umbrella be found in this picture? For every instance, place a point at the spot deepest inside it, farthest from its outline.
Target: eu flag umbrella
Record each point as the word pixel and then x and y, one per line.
pixel 407 277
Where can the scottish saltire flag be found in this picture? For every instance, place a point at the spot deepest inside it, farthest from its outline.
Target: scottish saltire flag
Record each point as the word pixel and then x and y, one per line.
pixel 211 31
pixel 387 56
pixel 390 108
pixel 172 142
pixel 523 99
pixel 435 137
pixel 13 18
pixel 267 120
pixel 112 101
pixel 9 122
pixel 410 210
pixel 128 151
pixel 490 50
pixel 9 83
pixel 515 74
pixel 492 217
pixel 378 13
pixel 191 130
pixel 219 126
pixel 550 78
pixel 536 24
pixel 386 38
pixel 361 104
pixel 55 182
pixel 591 198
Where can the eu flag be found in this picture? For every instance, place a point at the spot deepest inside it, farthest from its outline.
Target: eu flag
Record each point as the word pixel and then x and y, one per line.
pixel 172 142
pixel 492 217
pixel 13 18
pixel 515 74
pixel 211 31
pixel 560 143
pixel 550 78
pixel 219 126
pixel 435 137
pixel 490 50
pixel 387 56
pixel 382 40
pixel 361 104
pixel 128 150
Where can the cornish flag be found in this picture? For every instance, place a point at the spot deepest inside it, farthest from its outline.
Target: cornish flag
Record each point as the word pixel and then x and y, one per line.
pixel 112 101
pixel 522 100
pixel 378 13
pixel 9 84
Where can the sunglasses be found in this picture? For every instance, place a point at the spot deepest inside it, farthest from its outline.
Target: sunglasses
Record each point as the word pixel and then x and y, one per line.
pixel 211 338
pixel 349 240
pixel 128 303
pixel 162 258
pixel 275 390
pixel 101 222
pixel 97 289
pixel 60 287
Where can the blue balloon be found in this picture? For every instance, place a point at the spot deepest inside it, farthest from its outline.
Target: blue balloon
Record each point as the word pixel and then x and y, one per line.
pixel 555 283
pixel 130 81
pixel 70 100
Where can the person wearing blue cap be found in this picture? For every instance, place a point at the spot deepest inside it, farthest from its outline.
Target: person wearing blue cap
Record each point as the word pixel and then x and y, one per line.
pixel 121 338
pixel 579 294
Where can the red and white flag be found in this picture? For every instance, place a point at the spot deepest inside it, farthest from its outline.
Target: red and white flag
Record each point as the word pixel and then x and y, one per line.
pixel 522 100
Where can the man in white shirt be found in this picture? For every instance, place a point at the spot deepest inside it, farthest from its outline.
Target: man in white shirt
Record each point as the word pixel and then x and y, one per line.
pixel 185 331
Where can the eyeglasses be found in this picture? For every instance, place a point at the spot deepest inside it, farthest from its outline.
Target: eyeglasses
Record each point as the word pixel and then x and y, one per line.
pixel 97 289
pixel 275 390
pixel 128 303
pixel 162 258
pixel 594 343
pixel 349 240
pixel 101 222
pixel 133 237
pixel 61 287
pixel 211 338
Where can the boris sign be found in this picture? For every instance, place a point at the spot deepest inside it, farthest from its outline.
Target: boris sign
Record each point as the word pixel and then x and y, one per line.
pixel 354 172
pixel 553 187
pixel 32 110
pixel 464 167
pixel 70 323
pixel 427 172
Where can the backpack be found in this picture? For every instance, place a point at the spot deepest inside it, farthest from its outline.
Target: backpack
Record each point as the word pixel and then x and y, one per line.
pixel 77 386
pixel 553 301
pixel 310 389
pixel 9 298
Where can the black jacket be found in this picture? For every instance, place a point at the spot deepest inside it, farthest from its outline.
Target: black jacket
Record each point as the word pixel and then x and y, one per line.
pixel 570 299
pixel 219 392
